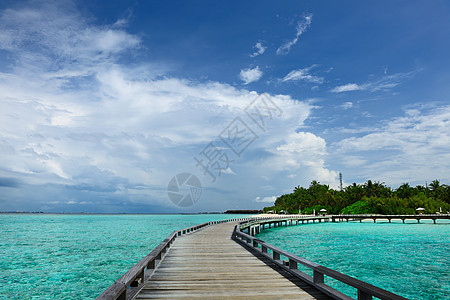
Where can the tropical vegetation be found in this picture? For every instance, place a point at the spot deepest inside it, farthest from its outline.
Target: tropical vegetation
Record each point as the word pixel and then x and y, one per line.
pixel 370 197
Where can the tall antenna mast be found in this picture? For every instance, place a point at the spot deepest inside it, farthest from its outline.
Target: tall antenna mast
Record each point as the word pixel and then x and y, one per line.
pixel 340 181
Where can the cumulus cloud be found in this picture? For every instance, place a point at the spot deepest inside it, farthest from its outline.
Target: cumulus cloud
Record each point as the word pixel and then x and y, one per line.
pixel 80 131
pixel 260 49
pixel 250 75
pixel 301 28
pixel 302 153
pixel 303 74
pixel 410 148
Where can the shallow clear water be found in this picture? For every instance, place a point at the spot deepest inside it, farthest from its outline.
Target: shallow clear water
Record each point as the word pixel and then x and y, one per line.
pixel 78 256
pixel 412 260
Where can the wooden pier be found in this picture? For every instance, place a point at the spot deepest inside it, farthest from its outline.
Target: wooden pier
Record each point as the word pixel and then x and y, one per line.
pixel 223 259
pixel 208 264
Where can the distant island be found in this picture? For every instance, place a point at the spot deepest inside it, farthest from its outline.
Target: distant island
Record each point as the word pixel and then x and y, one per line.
pixel 368 198
pixel 243 211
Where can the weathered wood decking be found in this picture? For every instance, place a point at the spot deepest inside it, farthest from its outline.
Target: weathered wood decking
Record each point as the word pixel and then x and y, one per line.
pixel 208 264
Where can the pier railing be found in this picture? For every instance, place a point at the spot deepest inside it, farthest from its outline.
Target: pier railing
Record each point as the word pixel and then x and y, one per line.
pixel 375 217
pixel 130 282
pixel 365 290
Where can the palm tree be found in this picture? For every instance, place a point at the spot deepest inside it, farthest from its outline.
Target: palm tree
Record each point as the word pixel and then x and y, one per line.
pixel 435 185
pixel 436 188
pixel 404 191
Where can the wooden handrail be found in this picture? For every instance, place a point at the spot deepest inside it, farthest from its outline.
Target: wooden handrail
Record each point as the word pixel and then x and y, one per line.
pixel 365 290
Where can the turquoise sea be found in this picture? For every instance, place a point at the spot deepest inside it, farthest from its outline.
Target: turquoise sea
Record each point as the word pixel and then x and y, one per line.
pixel 46 256
pixel 412 260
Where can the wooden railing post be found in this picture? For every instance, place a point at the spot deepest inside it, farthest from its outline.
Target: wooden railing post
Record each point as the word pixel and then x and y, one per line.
pixel 151 265
pixel 264 249
pixel 123 296
pixel 138 279
pixel 275 255
pixel 364 296
pixel 292 264
pixel 318 277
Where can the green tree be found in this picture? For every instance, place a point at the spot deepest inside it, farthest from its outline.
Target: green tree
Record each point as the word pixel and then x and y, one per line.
pixel 370 197
pixel 360 207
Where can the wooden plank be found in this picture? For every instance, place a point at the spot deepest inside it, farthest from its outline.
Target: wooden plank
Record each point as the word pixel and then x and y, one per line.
pixel 209 264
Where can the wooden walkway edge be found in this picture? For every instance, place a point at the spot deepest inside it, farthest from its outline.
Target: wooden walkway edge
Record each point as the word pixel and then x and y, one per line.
pixel 208 264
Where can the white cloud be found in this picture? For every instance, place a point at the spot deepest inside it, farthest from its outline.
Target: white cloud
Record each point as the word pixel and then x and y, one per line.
pixel 76 123
pixel 53 34
pixel 266 199
pixel 302 153
pixel 383 84
pixel 347 88
pixel 250 75
pixel 228 171
pixel 347 105
pixel 304 142
pixel 303 74
pixel 301 28
pixel 260 49
pixel 413 147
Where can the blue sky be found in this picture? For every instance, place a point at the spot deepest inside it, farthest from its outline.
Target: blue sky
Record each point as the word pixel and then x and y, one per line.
pixel 104 102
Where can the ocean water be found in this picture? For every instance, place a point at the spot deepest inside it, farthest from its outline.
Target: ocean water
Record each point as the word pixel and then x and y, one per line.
pixel 79 256
pixel 47 256
pixel 412 260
